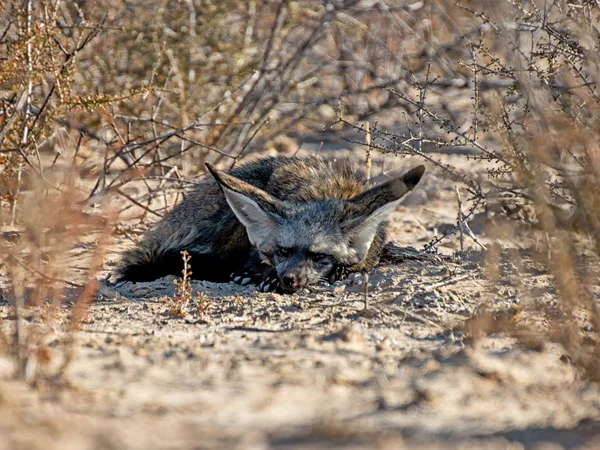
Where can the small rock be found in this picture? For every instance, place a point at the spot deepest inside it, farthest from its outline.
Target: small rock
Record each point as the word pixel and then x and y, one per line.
pixel 140 291
pixel 356 278
pixel 338 287
pixel 385 345
pixel 351 334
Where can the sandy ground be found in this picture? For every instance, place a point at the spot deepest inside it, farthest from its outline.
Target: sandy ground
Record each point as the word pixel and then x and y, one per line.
pixel 313 370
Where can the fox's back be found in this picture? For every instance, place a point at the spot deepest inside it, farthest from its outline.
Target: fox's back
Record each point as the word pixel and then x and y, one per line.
pixel 295 179
pixel 312 179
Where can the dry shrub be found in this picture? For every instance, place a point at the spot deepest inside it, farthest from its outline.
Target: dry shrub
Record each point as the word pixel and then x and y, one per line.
pixel 532 69
pixel 549 123
pixel 42 279
pixel 43 209
pixel 151 93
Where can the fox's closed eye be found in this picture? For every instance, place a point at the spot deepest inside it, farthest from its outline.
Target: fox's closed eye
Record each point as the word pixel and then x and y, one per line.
pixel 321 258
pixel 283 252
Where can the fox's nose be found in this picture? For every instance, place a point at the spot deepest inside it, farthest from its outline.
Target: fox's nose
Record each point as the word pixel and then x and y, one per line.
pixel 288 280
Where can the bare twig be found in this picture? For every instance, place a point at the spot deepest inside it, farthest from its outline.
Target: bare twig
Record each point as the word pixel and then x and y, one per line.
pixel 406 312
pixel 460 219
pixel 446 282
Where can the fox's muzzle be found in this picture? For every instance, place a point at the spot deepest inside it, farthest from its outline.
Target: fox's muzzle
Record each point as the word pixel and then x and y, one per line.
pixel 294 275
pixel 291 281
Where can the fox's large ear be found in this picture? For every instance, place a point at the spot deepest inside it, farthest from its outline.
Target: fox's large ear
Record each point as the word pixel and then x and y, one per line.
pixel 256 209
pixel 369 209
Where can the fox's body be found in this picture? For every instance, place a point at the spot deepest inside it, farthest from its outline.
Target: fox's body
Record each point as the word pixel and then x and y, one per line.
pixel 282 222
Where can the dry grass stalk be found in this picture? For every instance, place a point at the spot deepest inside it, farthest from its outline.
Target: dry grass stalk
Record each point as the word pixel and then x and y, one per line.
pixel 177 305
pixel 460 219
pixel 368 160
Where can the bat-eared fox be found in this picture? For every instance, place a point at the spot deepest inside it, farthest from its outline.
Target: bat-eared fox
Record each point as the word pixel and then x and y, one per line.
pixel 282 223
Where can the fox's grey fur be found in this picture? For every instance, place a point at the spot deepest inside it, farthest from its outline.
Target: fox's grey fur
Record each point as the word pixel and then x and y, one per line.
pixel 281 222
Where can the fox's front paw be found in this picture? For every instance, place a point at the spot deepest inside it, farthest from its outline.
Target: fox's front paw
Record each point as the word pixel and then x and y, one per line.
pixel 269 284
pixel 339 273
pixel 242 277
